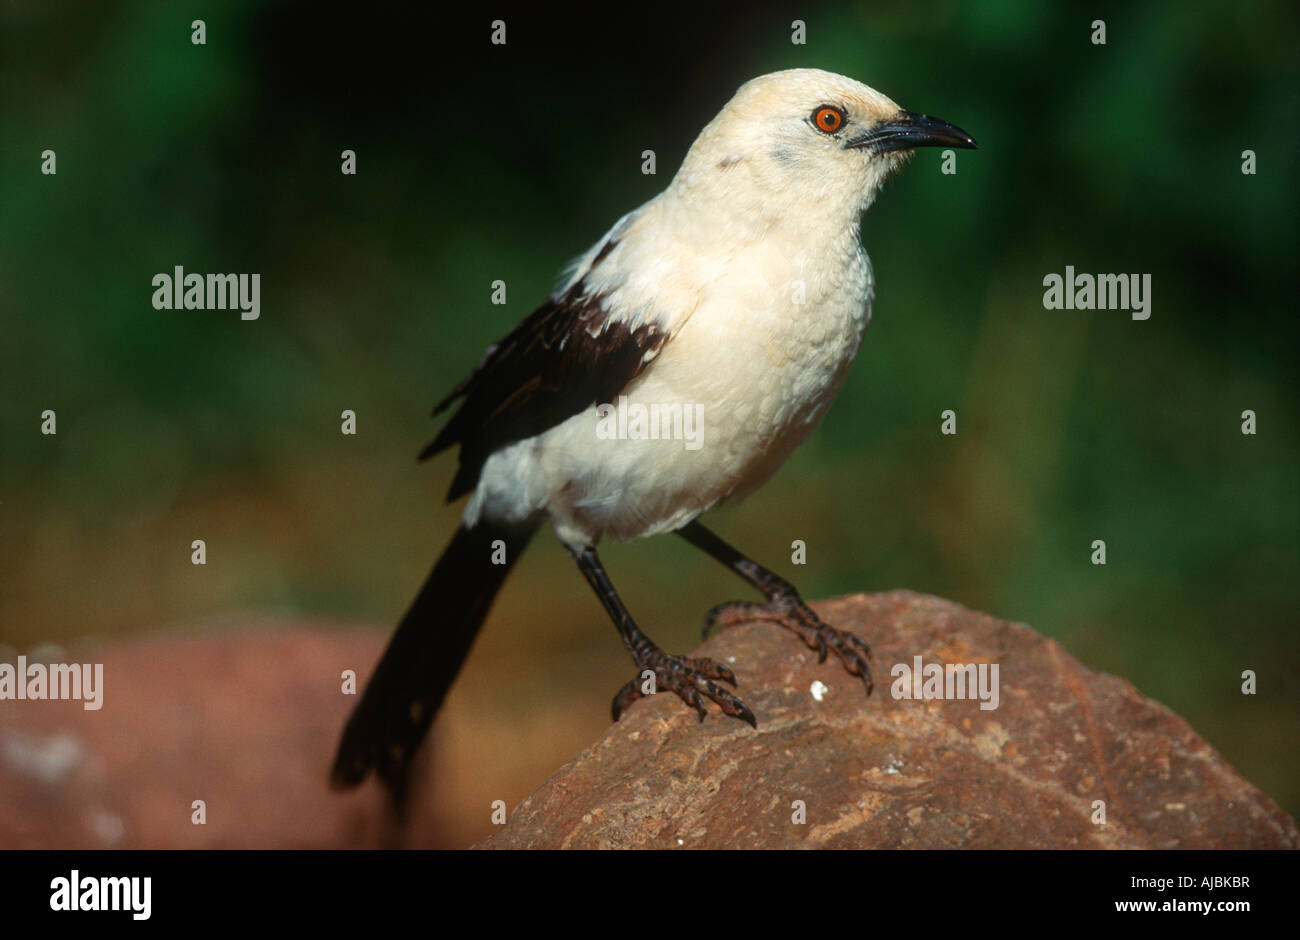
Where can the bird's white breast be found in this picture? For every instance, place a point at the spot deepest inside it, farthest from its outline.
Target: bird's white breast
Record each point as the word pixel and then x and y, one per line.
pixel 764 331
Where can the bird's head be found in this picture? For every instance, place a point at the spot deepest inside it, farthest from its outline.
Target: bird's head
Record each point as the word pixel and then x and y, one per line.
pixel 803 141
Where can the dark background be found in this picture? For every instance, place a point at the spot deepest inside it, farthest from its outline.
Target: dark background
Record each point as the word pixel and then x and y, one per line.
pixel 478 162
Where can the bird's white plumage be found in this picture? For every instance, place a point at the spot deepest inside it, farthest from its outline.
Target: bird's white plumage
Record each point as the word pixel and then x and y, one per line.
pixel 751 261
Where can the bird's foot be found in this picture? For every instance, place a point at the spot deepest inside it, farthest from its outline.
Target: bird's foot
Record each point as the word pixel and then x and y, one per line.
pixel 791 612
pixel 691 679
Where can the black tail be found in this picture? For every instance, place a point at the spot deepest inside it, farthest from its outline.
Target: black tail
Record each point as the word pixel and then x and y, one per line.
pixel 423 657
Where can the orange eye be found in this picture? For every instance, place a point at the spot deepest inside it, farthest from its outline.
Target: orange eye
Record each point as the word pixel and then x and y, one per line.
pixel 828 119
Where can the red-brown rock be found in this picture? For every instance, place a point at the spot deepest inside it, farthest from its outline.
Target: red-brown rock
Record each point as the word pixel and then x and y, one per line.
pixel 247 722
pixel 887 773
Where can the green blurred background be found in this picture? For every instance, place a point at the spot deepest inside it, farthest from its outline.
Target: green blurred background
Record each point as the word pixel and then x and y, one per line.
pixel 478 162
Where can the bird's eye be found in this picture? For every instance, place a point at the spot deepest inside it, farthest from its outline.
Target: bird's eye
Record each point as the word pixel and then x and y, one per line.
pixel 828 119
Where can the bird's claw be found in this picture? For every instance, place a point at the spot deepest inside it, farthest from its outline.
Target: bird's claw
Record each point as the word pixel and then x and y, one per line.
pixel 791 612
pixel 692 680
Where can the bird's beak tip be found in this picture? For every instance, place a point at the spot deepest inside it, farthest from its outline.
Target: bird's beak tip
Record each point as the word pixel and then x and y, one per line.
pixel 908 130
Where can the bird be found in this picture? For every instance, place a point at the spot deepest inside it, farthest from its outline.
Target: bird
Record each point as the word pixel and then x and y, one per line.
pixel 739 296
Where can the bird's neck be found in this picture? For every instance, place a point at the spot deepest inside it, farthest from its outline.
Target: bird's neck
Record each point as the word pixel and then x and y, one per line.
pixel 732 221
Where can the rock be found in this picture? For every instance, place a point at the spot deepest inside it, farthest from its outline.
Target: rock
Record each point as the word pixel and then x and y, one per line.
pixel 881 772
pixel 247 721
pixel 244 722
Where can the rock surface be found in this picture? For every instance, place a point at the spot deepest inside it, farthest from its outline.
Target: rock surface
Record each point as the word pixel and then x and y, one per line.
pixel 247 722
pixel 895 773
pixel 244 722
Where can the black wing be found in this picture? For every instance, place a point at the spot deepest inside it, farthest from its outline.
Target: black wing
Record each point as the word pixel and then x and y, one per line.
pixel 566 356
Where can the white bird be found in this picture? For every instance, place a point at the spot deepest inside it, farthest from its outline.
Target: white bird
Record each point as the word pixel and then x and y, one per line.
pixel 738 297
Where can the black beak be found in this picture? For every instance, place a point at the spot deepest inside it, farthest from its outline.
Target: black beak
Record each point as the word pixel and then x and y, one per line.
pixel 908 130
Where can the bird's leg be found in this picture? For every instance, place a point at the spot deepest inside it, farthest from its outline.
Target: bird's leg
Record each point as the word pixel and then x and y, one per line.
pixel 691 679
pixel 784 606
